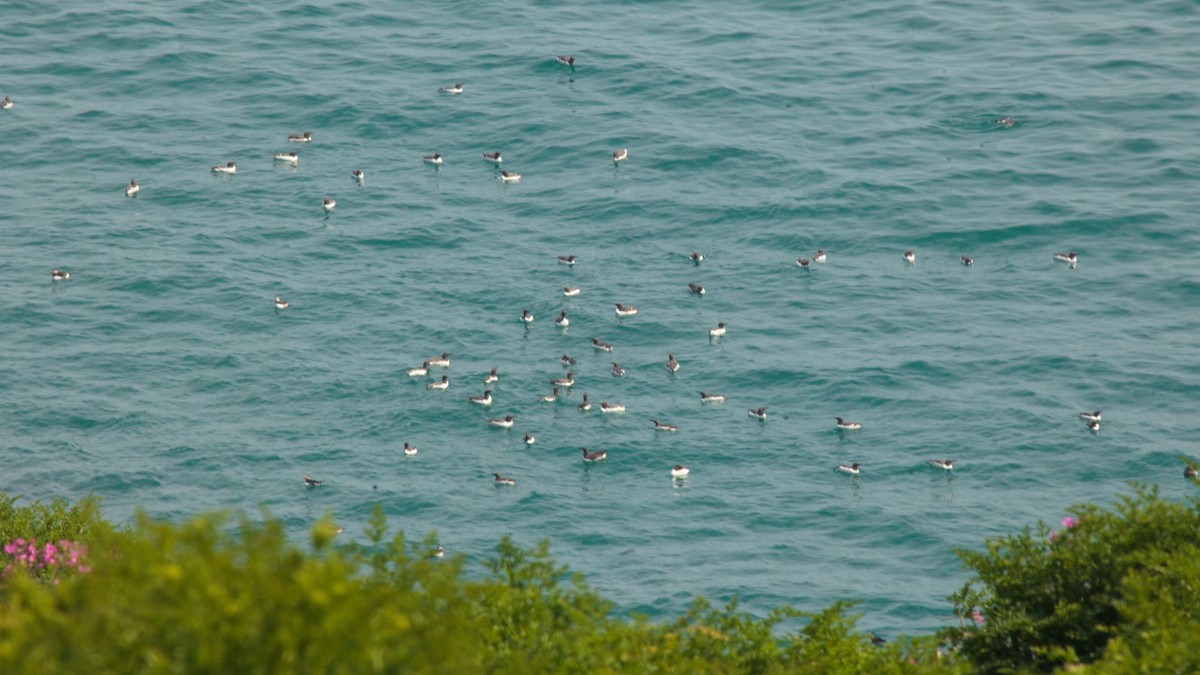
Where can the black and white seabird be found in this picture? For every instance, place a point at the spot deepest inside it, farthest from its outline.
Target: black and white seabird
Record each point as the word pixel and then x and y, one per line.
pixel 596 456
pixel 850 426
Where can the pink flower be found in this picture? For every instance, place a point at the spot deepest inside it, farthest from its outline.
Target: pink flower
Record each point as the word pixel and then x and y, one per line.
pixel 1069 522
pixel 977 616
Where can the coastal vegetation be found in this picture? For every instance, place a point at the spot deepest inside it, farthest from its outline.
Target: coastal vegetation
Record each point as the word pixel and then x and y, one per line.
pixel 1115 589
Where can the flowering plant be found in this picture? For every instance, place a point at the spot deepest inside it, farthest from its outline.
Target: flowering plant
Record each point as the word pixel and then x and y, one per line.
pixel 47 559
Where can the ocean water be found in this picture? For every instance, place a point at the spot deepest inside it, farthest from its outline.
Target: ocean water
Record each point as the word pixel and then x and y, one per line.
pixel 160 376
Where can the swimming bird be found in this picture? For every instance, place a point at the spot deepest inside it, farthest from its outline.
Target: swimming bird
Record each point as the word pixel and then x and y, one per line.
pixel 965 260
pixel 597 456
pixel 484 399
pixel 565 60
pixel 289 157
pixel 280 303
pixel 493 157
pixel 849 426
pixel 910 257
pixel 456 89
pixel 133 188
pixel 585 405
pixel 567 259
pixel 443 383
pixel 819 256
pixel 551 397
pixel 760 412
pixel 1094 425
pixel 1191 472
pixel 602 346
pixel 409 450
pixel 503 480
pixel 706 397
pixel 672 364
pixel 620 155
pixel 505 422
pixel 358 175
pixel 529 439
pixel 564 381
pixel 1070 258
pixel 526 316
pixel 626 310
pixel 437 552
pixel 570 291
pixel 618 370
pixel 420 372
pixel 696 288
pixel 1093 416
pixel 491 377
pixel 6 104
pixel 852 469
pixel 442 361
pixel 680 471
pixel 660 426
pixel 717 332
pixel 328 204
pixel 300 138
pixel 696 257
pixel 876 640
pixel 59 275
pixel 229 167
pixel 606 407
pixel 435 159
pixel 567 361
pixel 509 177
pixel 562 321
pixel 312 482
pixel 1007 121
pixel 947 464
pixel 803 262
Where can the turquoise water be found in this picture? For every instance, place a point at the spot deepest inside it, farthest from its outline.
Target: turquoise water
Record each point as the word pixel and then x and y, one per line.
pixel 161 376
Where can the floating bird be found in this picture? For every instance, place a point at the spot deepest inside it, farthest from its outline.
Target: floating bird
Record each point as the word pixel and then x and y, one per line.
pixel 876 640
pixel 1190 472
pixel 312 482
pixel 659 426
pixel 456 89
pixel 672 364
pixel 409 450
pixel 965 260
pixel 584 405
pixel 493 157
pixel 1070 258
pixel 1093 416
pixel 301 138
pixel 803 262
pixel 696 288
pixel 567 361
pixel 1006 121
pixel 626 310
pixel 760 412
pixel 358 175
pixel 437 552
pixel 529 439
pixel 819 256
pixel 562 321
pixel 1094 425
pixel 849 426
pixel 420 372
pixel 289 157
pixel 551 397
pixel 717 332
pixel 509 177
pixel 328 204
pixel 696 257
pixel 505 422
pixel 618 370
pixel 564 381
pixel 597 456
pixel 620 155
pixel 435 159
pixel 133 188
pixel 442 361
pixel 59 275
pixel 229 167
pixel 491 377
pixel 6 104
pixel 852 469
pixel 280 303
pixel 910 257
pixel 602 346
pixel 484 399
pixel 567 259
pixel 443 383
pixel 503 480
pixel 680 471
pixel 570 292
pixel 947 464
pixel 706 397
pixel 565 60
pixel 526 316
pixel 609 408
